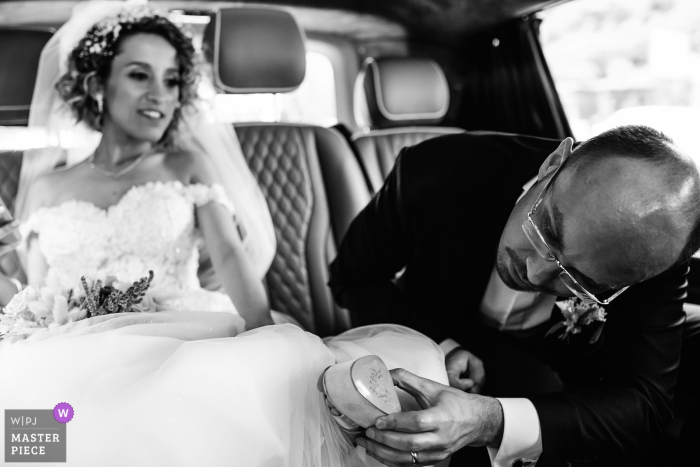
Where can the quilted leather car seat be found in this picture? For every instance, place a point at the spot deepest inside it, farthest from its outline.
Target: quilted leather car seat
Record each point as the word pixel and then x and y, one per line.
pixel 10 164
pixel 395 101
pixel 313 184
pixel 19 58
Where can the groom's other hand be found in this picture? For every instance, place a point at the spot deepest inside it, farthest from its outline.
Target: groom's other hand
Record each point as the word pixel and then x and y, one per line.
pixel 465 371
pixel 450 420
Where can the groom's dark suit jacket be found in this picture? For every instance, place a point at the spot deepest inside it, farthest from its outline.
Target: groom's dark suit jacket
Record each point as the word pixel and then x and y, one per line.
pixel 440 215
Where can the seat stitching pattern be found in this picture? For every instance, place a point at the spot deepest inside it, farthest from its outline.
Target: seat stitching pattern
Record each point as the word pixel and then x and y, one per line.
pixel 10 165
pixel 389 145
pixel 277 157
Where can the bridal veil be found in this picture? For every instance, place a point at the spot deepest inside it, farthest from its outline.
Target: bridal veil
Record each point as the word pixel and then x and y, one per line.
pixel 199 132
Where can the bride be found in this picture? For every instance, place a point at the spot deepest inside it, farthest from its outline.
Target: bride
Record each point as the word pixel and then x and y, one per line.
pixel 171 385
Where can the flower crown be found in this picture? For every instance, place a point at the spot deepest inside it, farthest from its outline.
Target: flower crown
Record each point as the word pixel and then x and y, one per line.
pixel 100 39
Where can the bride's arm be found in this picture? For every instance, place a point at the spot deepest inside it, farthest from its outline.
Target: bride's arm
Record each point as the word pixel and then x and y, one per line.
pixel 36 264
pixel 8 288
pixel 233 266
pixel 230 260
pixel 39 192
pixel 36 269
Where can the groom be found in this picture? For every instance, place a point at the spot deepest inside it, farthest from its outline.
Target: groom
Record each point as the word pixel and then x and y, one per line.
pixel 453 247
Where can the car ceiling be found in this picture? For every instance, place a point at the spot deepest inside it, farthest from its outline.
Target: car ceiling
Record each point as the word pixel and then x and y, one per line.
pixel 437 20
pixel 428 21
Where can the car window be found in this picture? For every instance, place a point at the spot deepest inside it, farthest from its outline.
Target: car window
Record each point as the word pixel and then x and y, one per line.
pixel 627 62
pixel 313 102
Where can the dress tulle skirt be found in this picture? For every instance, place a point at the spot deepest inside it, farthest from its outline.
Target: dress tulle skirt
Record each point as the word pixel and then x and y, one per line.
pixel 176 389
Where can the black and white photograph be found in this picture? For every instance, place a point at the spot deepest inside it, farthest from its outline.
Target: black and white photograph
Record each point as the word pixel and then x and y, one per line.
pixel 350 233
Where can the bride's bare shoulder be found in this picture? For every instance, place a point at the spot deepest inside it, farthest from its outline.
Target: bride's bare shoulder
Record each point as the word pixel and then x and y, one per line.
pixel 52 186
pixel 191 167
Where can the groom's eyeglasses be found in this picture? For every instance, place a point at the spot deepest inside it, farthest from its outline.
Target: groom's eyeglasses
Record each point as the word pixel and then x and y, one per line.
pixel 539 243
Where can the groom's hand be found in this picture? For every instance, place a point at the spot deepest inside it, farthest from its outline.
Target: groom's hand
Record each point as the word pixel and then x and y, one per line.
pixel 450 419
pixel 465 371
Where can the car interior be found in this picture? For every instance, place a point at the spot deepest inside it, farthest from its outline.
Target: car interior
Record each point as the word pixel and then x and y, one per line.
pixel 404 71
pixel 401 76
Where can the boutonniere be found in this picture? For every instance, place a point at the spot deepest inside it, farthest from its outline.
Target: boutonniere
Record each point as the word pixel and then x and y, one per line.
pixel 578 315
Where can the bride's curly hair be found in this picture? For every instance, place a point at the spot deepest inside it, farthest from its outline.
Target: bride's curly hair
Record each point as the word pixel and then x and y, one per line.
pixel 93 57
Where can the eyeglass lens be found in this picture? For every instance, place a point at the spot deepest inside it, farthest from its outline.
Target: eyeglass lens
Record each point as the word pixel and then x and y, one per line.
pixel 543 250
pixel 574 288
pixel 545 253
pixel 536 241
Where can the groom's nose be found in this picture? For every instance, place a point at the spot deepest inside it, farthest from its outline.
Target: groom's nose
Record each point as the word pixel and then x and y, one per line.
pixel 541 272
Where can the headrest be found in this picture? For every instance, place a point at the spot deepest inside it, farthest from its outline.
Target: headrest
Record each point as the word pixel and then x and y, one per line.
pixel 256 50
pixel 19 59
pixel 399 92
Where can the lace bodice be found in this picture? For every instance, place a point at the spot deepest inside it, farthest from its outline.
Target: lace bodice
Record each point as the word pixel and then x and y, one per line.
pixel 152 227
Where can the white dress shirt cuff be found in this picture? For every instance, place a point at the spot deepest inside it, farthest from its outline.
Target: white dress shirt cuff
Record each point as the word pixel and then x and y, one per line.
pixel 448 345
pixel 522 438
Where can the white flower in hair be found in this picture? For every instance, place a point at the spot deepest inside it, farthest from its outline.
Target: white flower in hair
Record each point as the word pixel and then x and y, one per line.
pixel 103 35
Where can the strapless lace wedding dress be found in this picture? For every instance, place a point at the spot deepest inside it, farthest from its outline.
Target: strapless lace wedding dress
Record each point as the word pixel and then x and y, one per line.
pixel 182 386
pixel 152 227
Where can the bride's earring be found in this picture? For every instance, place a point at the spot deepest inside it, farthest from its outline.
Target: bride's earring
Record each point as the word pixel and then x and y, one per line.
pixel 99 98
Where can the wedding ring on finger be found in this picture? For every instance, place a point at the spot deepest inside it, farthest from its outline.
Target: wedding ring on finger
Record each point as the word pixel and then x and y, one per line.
pixel 414 457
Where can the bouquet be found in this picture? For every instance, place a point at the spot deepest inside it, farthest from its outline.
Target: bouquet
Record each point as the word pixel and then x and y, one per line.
pixel 36 309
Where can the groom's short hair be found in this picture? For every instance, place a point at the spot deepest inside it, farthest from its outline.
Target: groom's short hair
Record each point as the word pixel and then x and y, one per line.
pixel 632 141
pixel 640 142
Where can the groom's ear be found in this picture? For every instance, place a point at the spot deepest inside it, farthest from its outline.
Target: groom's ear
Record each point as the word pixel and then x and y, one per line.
pixel 555 159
